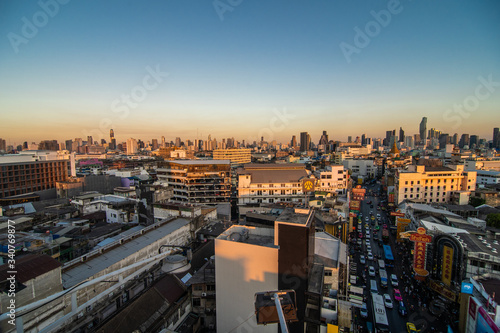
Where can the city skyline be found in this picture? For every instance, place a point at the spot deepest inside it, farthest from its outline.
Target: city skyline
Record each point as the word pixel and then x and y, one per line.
pixel 247 70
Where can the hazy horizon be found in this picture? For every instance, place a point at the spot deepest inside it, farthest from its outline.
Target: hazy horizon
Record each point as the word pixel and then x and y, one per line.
pixel 190 69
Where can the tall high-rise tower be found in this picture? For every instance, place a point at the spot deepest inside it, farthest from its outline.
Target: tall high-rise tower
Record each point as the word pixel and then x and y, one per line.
pixel 305 141
pixel 496 138
pixel 423 130
pixel 112 140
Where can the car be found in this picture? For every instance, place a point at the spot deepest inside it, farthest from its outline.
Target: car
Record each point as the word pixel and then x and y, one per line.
pixel 371 271
pixel 366 219
pixel 367 225
pixel 368 243
pixel 384 226
pixel 388 301
pixel 368 248
pixel 397 295
pixel 394 280
pixel 360 235
pixel 410 327
pixel 364 311
pixel 360 241
pixel 370 256
pixel 367 234
pixel 377 227
pixel 402 309
pixel 378 215
pixel 362 259
pixel 373 218
pixel 378 208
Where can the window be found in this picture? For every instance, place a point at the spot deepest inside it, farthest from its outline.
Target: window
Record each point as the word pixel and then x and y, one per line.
pixel 210 287
pixel 198 287
pixel 328 286
pixel 196 302
pixel 328 273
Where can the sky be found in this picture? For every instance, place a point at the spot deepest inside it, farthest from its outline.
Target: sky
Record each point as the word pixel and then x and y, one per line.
pixel 246 69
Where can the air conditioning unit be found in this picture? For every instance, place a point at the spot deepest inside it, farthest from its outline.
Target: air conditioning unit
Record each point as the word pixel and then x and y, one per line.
pixel 203 294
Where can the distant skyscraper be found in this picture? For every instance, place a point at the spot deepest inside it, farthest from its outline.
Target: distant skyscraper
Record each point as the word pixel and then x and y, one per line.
pixel 154 144
pixel 48 145
pixel 401 135
pixel 293 143
pixel 464 141
pixel 454 139
pixel 131 146
pixel 305 141
pixel 474 141
pixel 363 139
pixel 112 140
pixel 349 139
pixel 177 142
pixel 444 139
pixel 496 138
pixel 423 130
pixel 90 141
pixel 324 139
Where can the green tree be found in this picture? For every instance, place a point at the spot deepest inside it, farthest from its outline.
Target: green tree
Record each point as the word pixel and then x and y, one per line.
pixel 493 220
pixel 475 201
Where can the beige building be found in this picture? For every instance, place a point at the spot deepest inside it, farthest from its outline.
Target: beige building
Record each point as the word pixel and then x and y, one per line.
pixel 235 155
pixel 197 181
pixel 270 183
pixel 432 184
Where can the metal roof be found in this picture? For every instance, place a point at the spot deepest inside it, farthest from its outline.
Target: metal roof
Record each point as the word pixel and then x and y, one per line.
pixel 94 265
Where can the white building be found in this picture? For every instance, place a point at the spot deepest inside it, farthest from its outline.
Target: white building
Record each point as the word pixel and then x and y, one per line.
pixel 270 183
pixel 132 146
pixel 361 167
pixel 485 177
pixel 334 179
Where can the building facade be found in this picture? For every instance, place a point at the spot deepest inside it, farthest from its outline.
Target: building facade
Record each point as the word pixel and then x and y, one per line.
pixel 432 184
pixel 197 181
pixel 333 179
pixel 235 155
pixel 270 183
pixel 32 171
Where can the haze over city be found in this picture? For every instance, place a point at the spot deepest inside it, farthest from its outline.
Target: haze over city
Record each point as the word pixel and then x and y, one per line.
pixel 193 68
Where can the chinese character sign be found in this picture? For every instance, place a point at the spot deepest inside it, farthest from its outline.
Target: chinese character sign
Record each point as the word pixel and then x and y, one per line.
pixel 447 265
pixel 420 238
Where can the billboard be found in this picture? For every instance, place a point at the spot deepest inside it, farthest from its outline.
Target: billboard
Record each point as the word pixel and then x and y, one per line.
pixel 308 185
pixel 447 265
pixel 401 225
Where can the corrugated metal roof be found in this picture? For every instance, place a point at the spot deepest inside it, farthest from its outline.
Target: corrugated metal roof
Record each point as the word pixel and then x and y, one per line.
pixel 94 265
pixel 29 267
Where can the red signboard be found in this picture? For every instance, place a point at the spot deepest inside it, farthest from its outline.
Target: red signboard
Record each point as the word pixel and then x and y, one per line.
pixel 472 308
pixel 397 214
pixel 419 251
pixel 354 205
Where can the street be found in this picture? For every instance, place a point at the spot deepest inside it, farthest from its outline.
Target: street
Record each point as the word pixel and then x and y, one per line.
pixel 419 315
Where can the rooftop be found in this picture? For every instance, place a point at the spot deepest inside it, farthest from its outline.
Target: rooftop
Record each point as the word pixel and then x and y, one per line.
pixel 199 162
pixel 296 216
pixel 30 266
pixel 249 235
pixel 93 266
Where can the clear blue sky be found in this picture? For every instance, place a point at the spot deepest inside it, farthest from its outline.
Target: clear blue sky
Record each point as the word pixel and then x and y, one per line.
pixel 230 72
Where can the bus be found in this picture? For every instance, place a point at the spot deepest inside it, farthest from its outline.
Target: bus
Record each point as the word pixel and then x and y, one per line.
pixel 381 323
pixel 389 258
pixel 385 235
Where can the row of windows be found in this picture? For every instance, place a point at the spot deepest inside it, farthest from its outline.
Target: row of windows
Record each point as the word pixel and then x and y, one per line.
pixel 427 187
pixel 411 182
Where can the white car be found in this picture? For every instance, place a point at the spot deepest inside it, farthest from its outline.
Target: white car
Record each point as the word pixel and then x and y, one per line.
pixel 364 311
pixel 368 243
pixel 369 248
pixel 367 234
pixel 394 280
pixel 370 256
pixel 362 259
pixel 388 301
pixel 366 219
pixel 371 271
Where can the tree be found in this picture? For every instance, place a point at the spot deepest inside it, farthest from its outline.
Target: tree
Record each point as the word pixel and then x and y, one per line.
pixel 475 201
pixel 493 220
